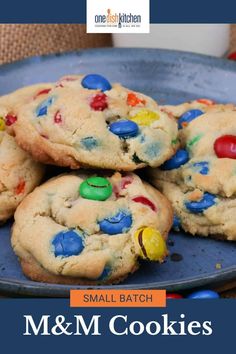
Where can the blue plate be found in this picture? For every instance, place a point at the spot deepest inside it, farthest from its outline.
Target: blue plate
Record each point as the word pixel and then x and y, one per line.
pixel 170 77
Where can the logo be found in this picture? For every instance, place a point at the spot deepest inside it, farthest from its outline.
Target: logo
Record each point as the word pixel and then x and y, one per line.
pixel 120 16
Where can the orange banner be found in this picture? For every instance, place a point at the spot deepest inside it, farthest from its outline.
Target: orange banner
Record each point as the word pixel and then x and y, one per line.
pixel 117 298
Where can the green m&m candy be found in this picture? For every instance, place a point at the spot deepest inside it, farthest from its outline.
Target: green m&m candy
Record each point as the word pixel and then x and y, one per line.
pixel 95 188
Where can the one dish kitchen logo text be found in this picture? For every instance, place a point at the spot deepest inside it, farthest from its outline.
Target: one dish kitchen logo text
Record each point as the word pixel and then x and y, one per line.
pixel 117 19
pixel 126 17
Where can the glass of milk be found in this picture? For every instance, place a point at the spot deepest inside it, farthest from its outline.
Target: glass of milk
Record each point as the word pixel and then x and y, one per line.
pixel 211 39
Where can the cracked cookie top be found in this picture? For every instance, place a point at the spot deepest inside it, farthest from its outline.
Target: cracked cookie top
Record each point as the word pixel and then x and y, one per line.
pixel 80 228
pixel 86 121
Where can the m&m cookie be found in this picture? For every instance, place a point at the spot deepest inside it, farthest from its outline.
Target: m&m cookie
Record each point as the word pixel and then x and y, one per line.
pixel 200 179
pixel 188 111
pixel 19 173
pixel 87 121
pixel 200 213
pixel 90 229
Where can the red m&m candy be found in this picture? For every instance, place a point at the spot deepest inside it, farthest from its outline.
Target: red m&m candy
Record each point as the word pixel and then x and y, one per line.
pixel 10 119
pixel 42 92
pixel 58 117
pixel 225 146
pixel 145 201
pixel 99 102
pixel 232 56
pixel 20 188
pixel 174 296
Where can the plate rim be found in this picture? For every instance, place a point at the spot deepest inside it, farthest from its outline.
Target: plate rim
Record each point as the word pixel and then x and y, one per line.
pixel 143 52
pixel 37 289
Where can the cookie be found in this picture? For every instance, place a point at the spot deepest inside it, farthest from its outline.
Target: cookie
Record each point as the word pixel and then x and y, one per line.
pixel 205 165
pixel 86 121
pixel 207 158
pixel 19 173
pixel 9 103
pixel 90 229
pixel 201 213
pixel 187 111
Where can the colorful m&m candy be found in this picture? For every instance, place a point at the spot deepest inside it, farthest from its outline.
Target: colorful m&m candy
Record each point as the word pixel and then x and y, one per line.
pixel 203 294
pixel 232 56
pixel 20 188
pixel 206 101
pixel 95 188
pixel 42 108
pixel 58 117
pixel 117 224
pixel 225 147
pixel 105 273
pixel 96 82
pixel 179 159
pixel 173 296
pixel 133 100
pixel 145 117
pixel 99 102
pixel 67 243
pixel 124 129
pixel 42 92
pixel 150 243
pixel 207 201
pixel 188 116
pixel 89 143
pixel 201 167
pixel 176 223
pixel 145 201
pixel 2 124
pixel 10 119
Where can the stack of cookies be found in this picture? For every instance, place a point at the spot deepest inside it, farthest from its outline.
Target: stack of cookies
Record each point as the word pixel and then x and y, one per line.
pixel 85 226
pixel 200 179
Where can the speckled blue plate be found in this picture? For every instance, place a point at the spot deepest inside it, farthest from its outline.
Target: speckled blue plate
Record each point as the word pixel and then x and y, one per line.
pixel 170 77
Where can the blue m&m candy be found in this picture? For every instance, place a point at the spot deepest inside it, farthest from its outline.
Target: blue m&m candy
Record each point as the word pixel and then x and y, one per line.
pixel 188 116
pixel 202 167
pixel 89 143
pixel 206 202
pixel 42 108
pixel 124 129
pixel 67 243
pixel 180 158
pixel 96 82
pixel 105 273
pixel 204 294
pixel 116 224
pixel 176 223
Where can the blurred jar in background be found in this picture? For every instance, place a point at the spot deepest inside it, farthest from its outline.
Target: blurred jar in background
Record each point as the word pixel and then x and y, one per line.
pixel 210 39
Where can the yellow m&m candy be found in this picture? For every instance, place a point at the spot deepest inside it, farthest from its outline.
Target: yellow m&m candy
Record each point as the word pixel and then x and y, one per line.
pixel 151 244
pixel 2 124
pixel 145 117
